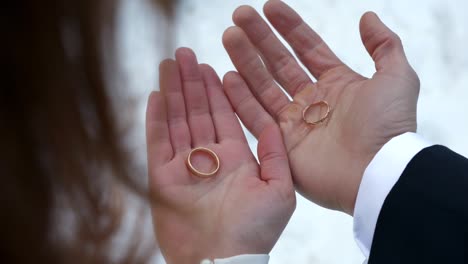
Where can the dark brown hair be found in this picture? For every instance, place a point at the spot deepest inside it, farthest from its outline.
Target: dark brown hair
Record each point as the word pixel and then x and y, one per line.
pixel 62 160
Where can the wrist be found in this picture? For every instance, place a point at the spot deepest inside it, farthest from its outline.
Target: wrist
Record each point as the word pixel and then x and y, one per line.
pixel 354 176
pixel 392 151
pixel 356 170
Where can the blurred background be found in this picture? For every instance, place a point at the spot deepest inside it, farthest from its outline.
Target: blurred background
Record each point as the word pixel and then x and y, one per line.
pixel 435 37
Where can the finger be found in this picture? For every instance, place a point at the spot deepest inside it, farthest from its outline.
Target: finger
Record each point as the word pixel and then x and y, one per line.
pixel 309 47
pixel 170 83
pixel 249 110
pixel 383 45
pixel 246 60
pixel 157 131
pixel 274 164
pixel 279 61
pixel 196 102
pixel 226 124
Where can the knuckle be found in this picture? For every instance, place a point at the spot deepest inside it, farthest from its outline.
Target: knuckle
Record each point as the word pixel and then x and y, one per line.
pixel 389 40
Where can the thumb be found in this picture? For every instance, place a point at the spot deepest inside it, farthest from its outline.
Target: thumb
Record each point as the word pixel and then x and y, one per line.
pixel 274 163
pixel 382 44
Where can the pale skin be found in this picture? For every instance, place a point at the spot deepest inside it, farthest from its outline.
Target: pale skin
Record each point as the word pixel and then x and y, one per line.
pixel 245 207
pixel 327 160
pixel 242 209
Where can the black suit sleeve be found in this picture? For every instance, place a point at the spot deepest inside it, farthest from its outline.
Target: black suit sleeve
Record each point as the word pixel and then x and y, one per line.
pixel 424 219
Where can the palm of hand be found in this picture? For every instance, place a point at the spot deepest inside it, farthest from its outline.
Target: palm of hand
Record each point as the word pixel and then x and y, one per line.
pixel 191 211
pixel 327 160
pixel 245 206
pixel 358 126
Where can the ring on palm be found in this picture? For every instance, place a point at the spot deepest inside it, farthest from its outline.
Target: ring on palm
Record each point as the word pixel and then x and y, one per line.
pixel 198 173
pixel 322 119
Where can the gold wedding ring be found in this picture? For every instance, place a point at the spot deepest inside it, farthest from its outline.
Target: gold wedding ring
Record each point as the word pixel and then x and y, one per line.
pixel 322 119
pixel 198 173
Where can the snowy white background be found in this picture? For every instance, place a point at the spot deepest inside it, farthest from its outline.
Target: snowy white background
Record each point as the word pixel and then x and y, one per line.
pixel 435 36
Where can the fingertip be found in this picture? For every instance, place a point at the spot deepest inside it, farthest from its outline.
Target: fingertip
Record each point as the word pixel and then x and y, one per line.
pixel 205 68
pixel 153 95
pixel 383 45
pixel 231 79
pixel 210 76
pixel 184 52
pixel 186 58
pixel 168 73
pixel 230 74
pixel 165 64
pixel 188 65
pixel 272 7
pixel 231 36
pixel 243 14
pixel 370 14
pixel 367 18
pixel 151 99
pixel 281 16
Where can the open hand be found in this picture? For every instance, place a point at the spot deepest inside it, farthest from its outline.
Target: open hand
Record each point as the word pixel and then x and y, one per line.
pixel 244 207
pixel 327 160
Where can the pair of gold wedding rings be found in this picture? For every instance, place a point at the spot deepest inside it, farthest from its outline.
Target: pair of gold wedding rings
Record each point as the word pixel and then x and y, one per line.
pixel 215 157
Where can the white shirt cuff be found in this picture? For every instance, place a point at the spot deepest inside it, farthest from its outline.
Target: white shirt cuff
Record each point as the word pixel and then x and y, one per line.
pixel 241 259
pixel 378 180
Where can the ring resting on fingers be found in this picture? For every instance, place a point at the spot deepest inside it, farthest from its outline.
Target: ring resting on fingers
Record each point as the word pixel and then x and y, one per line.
pixel 198 173
pixel 322 119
